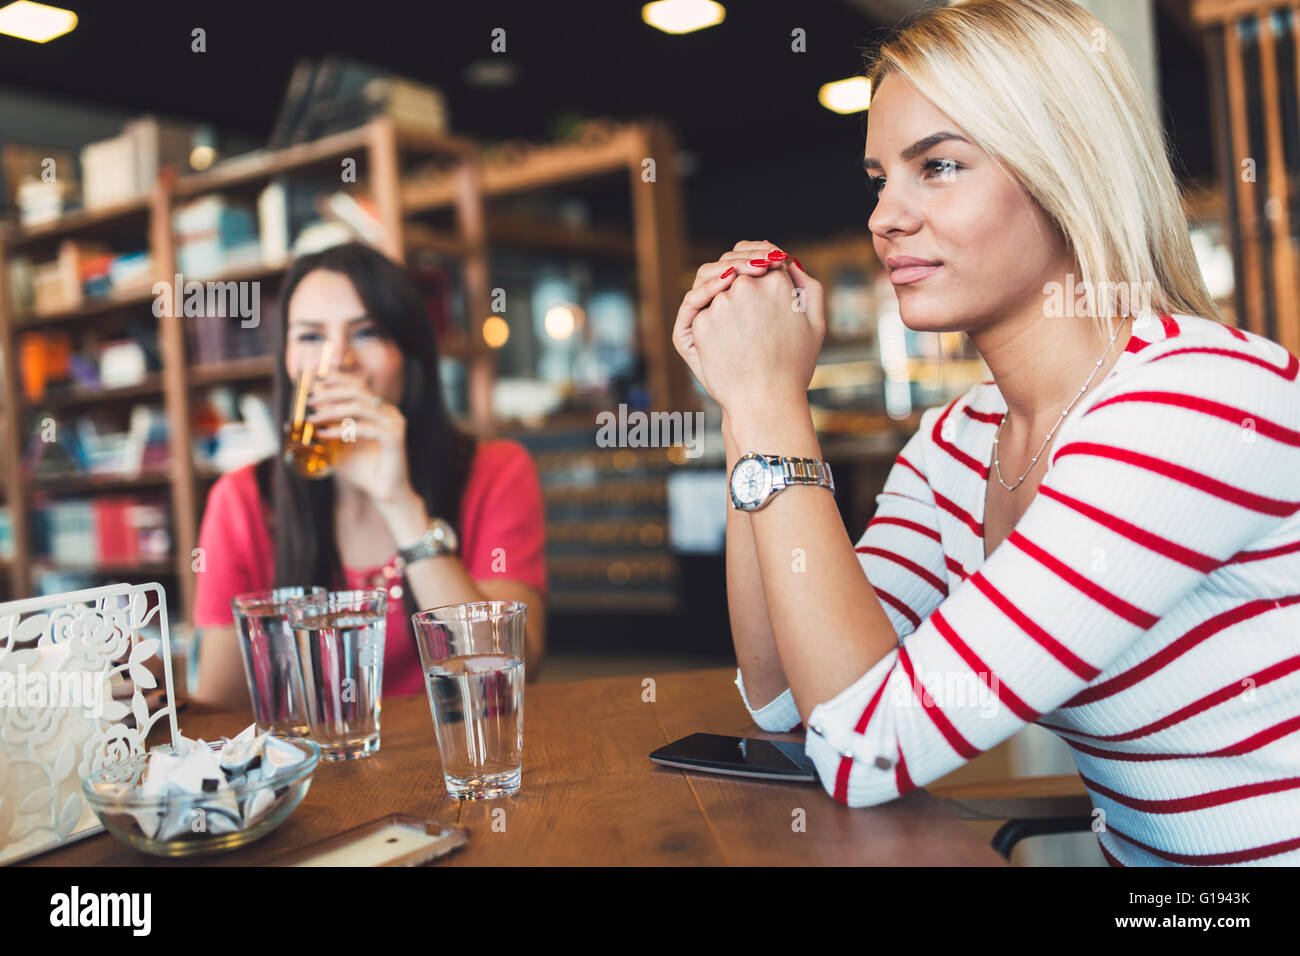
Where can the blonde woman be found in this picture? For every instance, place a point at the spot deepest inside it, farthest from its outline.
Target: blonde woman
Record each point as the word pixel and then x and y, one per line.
pixel 1104 539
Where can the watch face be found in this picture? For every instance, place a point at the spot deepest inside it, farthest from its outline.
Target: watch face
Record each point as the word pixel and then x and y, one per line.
pixel 443 533
pixel 748 480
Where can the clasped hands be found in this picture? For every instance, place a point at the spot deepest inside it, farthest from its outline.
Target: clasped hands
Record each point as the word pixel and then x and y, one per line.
pixel 751 328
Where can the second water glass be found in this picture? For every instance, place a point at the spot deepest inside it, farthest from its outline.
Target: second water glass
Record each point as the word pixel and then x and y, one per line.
pixel 340 639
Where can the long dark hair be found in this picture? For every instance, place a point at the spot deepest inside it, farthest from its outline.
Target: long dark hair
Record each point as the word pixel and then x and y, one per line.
pixel 438 453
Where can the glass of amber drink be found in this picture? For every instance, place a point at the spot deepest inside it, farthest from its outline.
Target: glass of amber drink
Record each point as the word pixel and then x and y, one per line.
pixel 305 451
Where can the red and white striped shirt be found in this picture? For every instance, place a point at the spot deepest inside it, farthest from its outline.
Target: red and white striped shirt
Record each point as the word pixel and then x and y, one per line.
pixel 1146 607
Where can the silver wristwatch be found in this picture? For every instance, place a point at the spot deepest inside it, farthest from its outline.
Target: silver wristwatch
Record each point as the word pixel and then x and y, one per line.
pixel 756 478
pixel 438 538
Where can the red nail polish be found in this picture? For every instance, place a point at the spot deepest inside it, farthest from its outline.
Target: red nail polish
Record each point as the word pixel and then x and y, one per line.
pixel 776 255
pixel 730 270
pixel 759 262
pixel 799 264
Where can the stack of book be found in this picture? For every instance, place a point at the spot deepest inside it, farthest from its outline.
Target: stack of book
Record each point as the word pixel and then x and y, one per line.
pixel 106 530
pixel 216 338
pixel 231 430
pixel 213 236
pixel 332 95
pixel 106 358
pixel 41 181
pixel 83 271
pixel 84 447
pixel 299 218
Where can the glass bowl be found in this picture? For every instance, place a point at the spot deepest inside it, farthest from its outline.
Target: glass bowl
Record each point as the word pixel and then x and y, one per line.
pixel 204 827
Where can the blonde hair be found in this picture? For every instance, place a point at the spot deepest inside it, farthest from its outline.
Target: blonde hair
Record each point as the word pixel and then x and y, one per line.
pixel 1043 88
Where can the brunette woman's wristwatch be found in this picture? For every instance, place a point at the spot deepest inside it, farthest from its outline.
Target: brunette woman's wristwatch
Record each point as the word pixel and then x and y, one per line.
pixel 439 538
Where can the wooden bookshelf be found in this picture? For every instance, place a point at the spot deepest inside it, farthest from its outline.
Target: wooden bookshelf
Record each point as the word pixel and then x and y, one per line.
pixel 1250 53
pixel 380 148
pixel 98 484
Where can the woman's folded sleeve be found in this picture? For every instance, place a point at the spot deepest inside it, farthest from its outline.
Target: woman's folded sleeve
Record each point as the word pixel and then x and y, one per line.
pixel 1162 476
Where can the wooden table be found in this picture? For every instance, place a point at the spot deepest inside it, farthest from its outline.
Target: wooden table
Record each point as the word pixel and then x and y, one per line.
pixel 590 796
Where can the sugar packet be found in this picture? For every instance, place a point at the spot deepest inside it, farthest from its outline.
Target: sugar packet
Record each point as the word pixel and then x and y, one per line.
pixel 209 790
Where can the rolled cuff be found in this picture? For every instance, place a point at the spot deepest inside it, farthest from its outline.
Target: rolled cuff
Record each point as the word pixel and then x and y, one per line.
pixel 779 715
pixel 872 755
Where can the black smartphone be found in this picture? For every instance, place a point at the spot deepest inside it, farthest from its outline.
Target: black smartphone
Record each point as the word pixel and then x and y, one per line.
pixel 738 757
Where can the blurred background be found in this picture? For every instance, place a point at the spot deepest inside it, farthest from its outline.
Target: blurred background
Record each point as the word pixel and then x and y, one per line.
pixel 552 175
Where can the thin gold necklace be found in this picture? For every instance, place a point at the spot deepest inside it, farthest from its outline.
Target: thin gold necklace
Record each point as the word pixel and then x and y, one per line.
pixel 1077 396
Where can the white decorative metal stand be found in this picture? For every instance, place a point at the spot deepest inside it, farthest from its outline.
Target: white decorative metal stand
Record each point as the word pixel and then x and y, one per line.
pixel 59 721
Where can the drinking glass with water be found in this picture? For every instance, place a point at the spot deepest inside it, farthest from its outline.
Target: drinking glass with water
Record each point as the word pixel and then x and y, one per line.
pixel 270 657
pixel 340 643
pixel 473 658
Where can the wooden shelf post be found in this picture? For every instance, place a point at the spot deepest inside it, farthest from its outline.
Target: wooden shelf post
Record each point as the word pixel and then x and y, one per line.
pixel 11 420
pixel 176 398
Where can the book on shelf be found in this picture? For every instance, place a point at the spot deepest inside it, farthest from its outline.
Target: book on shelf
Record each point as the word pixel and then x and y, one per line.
pixel 21 291
pixel 43 358
pixel 62 581
pixel 357 212
pixel 126 167
pixel 108 172
pixel 438 289
pixel 159 143
pixel 273 228
pixel 322 235
pixel 294 103
pixel 121 363
pixel 130 272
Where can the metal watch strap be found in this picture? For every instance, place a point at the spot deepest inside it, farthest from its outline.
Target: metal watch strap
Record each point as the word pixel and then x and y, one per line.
pixel 804 471
pixel 428 546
